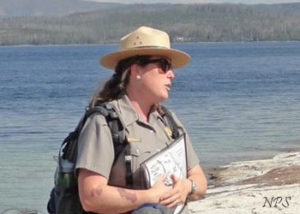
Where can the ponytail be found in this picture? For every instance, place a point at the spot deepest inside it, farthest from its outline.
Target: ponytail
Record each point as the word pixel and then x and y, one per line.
pixel 116 86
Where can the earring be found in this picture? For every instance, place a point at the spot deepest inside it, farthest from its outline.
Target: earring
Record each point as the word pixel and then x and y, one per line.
pixel 138 77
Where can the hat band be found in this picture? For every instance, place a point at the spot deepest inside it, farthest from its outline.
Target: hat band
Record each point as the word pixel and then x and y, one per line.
pixel 142 47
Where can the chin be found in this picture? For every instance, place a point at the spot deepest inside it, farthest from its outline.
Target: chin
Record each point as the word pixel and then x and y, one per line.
pixel 165 97
pixel 160 97
pixel 160 100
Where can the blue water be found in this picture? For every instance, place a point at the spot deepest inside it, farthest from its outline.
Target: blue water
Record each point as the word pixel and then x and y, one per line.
pixel 239 101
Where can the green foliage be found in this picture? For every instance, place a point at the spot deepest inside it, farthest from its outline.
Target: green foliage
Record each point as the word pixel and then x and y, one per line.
pixel 185 23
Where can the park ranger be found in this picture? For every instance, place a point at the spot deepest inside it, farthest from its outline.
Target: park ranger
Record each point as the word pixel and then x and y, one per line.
pixel 143 74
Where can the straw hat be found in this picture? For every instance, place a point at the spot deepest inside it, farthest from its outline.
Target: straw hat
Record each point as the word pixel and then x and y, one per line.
pixel 145 41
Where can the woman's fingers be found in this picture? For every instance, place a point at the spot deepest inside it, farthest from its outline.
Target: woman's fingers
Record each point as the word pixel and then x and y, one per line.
pixel 171 198
pixel 171 201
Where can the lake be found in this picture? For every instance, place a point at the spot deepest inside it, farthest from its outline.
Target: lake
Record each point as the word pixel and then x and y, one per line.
pixel 238 101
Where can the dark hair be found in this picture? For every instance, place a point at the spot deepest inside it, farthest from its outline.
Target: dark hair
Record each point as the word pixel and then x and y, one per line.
pixel 115 87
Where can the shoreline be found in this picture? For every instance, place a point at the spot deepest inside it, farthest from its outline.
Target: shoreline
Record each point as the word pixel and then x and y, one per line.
pixel 270 185
pixel 116 43
pixel 210 170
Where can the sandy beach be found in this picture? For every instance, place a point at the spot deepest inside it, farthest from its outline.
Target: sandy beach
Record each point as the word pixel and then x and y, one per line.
pixel 256 187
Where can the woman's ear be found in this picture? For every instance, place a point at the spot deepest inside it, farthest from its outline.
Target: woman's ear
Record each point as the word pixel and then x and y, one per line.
pixel 135 71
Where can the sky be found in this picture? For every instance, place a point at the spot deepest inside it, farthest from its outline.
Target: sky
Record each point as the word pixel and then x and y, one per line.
pixel 203 1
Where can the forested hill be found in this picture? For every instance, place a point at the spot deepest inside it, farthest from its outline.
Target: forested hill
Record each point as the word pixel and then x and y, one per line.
pixel 10 8
pixel 184 22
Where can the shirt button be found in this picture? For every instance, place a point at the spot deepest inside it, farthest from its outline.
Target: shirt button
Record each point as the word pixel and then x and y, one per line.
pixel 151 131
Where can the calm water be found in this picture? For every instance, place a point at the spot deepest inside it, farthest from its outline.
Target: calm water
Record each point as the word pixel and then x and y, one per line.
pixel 238 101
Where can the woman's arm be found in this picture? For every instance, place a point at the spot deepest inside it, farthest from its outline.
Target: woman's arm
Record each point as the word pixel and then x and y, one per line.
pixel 97 196
pixel 197 175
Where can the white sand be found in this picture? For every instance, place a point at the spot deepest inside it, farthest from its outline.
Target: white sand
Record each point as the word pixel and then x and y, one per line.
pixel 254 187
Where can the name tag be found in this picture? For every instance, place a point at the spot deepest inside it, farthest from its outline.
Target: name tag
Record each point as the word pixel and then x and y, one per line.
pixel 133 140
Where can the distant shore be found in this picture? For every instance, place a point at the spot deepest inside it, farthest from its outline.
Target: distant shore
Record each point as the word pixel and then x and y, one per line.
pixel 107 23
pixel 258 186
pixel 116 43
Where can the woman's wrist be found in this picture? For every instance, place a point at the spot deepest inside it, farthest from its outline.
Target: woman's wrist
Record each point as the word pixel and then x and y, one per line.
pixel 193 187
pixel 152 196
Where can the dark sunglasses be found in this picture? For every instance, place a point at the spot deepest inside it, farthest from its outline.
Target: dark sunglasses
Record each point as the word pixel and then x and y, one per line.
pixel 162 63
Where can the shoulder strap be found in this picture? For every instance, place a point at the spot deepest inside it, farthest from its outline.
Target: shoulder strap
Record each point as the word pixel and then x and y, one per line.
pixel 169 119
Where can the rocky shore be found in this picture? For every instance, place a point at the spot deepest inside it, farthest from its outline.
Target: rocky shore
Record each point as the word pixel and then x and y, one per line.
pixel 256 187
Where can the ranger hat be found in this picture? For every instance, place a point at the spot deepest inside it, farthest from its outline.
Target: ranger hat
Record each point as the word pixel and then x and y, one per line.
pixel 145 41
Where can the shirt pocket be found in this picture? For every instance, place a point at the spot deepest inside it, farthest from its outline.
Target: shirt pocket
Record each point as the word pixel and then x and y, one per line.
pixel 139 154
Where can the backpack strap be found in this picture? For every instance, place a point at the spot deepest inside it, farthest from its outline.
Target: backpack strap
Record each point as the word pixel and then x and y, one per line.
pixel 118 136
pixel 169 120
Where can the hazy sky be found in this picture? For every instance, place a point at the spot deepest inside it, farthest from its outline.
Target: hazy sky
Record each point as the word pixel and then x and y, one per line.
pixel 203 1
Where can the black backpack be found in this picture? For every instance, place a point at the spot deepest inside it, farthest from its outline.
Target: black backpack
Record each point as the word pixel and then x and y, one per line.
pixel 64 197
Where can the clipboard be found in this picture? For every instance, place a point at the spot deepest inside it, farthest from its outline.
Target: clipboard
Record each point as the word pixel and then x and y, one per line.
pixel 170 160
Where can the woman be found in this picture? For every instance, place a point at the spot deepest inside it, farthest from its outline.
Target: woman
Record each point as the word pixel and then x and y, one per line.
pixel 142 80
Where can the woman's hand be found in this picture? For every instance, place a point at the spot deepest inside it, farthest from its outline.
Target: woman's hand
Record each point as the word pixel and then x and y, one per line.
pixel 159 189
pixel 178 194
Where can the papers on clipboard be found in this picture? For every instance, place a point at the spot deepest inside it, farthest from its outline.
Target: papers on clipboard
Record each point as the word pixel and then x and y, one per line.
pixel 171 160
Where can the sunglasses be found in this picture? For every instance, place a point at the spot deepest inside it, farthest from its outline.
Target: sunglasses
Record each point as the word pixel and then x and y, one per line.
pixel 162 63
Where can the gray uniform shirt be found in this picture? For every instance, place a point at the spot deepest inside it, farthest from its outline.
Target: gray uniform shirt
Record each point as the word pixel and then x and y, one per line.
pixel 96 151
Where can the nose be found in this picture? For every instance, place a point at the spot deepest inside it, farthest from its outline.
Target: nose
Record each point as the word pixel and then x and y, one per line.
pixel 170 74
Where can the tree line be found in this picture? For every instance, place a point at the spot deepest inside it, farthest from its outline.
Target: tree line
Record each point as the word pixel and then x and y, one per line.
pixel 184 22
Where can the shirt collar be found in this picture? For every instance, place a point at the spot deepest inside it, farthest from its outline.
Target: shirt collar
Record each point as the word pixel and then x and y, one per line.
pixel 129 115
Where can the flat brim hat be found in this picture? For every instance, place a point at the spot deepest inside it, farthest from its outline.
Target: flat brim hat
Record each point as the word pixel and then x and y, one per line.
pixel 145 41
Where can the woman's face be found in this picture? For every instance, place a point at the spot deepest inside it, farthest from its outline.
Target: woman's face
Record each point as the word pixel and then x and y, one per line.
pixel 156 79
